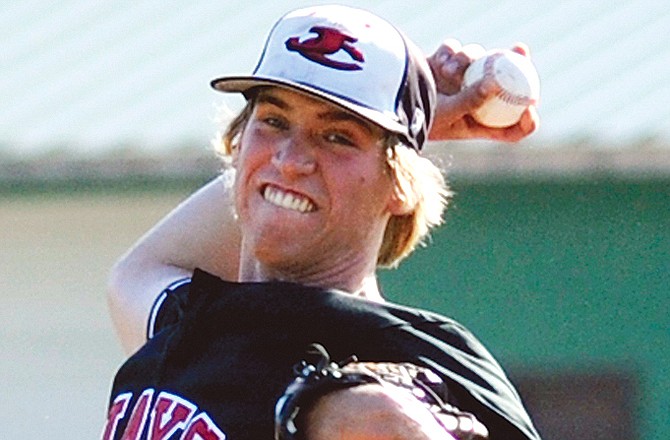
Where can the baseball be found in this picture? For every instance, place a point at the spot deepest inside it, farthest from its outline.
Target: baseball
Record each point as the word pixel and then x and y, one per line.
pixel 518 80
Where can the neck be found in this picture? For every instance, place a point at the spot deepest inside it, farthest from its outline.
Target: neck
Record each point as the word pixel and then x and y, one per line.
pixel 354 279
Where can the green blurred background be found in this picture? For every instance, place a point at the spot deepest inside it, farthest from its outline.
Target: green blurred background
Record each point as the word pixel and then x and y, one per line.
pixel 562 279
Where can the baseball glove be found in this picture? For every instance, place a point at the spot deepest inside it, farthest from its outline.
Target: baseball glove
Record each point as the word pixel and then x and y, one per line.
pixel 313 380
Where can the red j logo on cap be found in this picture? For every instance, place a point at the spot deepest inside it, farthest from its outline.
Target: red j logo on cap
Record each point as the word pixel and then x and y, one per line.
pixel 328 41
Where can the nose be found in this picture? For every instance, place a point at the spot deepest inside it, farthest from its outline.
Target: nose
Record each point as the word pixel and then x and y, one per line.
pixel 294 157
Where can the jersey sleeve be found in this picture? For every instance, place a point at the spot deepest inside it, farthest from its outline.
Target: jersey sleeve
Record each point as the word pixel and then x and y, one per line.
pixel 168 308
pixel 475 380
pixel 475 377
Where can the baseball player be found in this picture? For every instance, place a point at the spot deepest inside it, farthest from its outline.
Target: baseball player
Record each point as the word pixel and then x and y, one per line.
pixel 221 300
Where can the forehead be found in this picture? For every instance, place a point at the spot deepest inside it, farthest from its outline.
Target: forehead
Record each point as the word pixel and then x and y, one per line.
pixel 289 99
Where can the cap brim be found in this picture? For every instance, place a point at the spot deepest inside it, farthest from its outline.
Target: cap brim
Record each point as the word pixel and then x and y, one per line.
pixel 242 84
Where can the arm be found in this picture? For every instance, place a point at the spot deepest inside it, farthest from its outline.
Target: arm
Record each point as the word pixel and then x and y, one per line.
pixel 200 232
pixel 372 412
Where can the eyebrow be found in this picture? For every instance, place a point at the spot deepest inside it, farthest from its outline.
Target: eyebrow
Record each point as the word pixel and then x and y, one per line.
pixel 330 115
pixel 266 98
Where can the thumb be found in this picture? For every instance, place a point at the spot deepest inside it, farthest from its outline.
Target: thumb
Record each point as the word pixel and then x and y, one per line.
pixel 468 99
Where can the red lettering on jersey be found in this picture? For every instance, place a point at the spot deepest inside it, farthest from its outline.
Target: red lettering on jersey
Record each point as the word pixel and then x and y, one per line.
pixel 170 413
pixel 139 416
pixel 116 412
pixel 202 428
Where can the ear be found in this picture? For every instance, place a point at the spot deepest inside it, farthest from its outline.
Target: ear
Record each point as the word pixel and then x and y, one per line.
pixel 235 147
pixel 400 204
pixel 235 156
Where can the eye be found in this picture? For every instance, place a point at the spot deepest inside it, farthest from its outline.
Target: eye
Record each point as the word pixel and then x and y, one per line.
pixel 340 139
pixel 275 122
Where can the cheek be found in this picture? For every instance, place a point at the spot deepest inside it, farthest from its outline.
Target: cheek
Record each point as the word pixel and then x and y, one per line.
pixel 247 160
pixel 252 152
pixel 372 188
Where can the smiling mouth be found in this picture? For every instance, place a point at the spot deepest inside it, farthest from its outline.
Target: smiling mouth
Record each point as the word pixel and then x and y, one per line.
pixel 288 200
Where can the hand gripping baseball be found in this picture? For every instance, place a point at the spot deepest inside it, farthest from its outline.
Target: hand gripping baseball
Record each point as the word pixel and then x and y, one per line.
pixel 456 104
pixel 321 392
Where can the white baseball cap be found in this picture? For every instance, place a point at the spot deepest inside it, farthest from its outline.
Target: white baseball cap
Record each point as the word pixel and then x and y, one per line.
pixel 352 58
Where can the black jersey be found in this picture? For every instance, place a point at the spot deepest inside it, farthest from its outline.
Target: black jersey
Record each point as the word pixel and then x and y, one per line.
pixel 222 353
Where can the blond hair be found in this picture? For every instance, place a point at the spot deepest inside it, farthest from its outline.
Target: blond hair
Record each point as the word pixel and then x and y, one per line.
pixel 416 180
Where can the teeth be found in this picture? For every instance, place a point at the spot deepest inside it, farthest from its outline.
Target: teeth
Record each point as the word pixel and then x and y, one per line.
pixel 287 200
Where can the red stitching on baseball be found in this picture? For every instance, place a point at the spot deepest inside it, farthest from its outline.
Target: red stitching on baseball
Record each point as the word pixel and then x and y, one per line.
pixel 504 95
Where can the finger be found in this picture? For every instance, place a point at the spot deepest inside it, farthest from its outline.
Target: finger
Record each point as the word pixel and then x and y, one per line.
pixel 528 123
pixel 530 120
pixel 473 51
pixel 461 60
pixel 450 46
pixel 466 101
pixel 448 72
pixel 522 49
pixel 453 121
pixel 444 52
pixel 468 54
